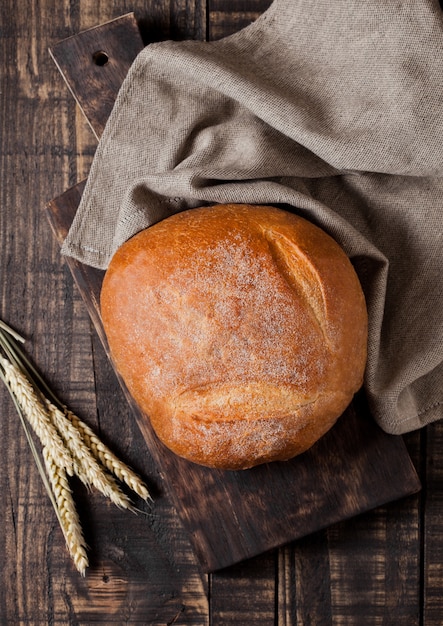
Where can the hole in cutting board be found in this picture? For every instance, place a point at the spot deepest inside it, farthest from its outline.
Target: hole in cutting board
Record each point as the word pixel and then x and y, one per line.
pixel 100 58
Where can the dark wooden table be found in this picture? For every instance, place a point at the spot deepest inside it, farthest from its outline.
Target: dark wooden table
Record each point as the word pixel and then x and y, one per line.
pixel 382 567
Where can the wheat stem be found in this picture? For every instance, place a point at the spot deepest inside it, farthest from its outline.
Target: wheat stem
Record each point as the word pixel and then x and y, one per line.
pixel 78 554
pixel 31 442
pixel 66 511
pixel 17 356
pixel 108 459
pixel 68 445
pixel 11 332
pixel 35 412
pixel 85 465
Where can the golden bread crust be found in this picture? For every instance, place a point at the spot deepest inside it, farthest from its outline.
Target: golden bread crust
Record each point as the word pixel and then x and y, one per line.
pixel 239 330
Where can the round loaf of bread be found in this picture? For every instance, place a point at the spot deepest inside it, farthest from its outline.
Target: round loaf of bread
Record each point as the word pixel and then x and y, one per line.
pixel 239 330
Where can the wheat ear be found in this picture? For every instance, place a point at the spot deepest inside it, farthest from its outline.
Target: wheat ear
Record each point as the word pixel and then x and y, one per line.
pixel 108 459
pixel 68 445
pixel 90 472
pixel 36 414
pixel 66 511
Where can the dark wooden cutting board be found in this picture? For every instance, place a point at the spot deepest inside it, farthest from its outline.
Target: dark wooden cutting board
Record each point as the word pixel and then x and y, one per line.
pixel 232 516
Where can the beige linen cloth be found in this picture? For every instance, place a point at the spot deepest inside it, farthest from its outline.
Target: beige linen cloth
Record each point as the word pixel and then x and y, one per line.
pixel 331 109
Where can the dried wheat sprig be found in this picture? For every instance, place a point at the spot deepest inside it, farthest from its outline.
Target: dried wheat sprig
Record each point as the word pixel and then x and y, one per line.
pixel 79 557
pixel 90 472
pixel 108 459
pixel 90 467
pixel 69 445
pixel 101 452
pixel 66 511
pixel 36 413
pixel 11 332
pixel 92 475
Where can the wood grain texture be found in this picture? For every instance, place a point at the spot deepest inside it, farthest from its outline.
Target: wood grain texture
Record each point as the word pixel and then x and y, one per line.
pixel 245 593
pixel 362 571
pixel 226 18
pixel 383 567
pixel 432 520
pixel 105 57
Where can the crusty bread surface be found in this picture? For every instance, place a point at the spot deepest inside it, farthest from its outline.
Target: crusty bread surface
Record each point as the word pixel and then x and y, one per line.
pixel 239 330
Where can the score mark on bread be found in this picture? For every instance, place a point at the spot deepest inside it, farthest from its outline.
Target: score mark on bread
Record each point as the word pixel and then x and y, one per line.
pixel 239 330
pixel 300 273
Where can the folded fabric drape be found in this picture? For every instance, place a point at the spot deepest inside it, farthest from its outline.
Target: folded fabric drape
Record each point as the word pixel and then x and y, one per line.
pixel 329 109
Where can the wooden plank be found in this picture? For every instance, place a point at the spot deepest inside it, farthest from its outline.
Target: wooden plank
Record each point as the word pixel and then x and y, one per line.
pixel 361 571
pixel 245 593
pixel 232 516
pixel 226 18
pixel 432 521
pixel 304 582
pixel 33 156
pixel 104 56
pixel 142 568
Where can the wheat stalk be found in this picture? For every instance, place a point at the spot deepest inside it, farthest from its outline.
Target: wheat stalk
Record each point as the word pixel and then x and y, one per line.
pixel 66 512
pixel 11 332
pixel 69 446
pixel 63 508
pixel 108 459
pixel 90 472
pixel 36 414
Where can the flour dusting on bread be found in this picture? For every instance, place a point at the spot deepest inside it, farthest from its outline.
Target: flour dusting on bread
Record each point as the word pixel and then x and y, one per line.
pixel 239 330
